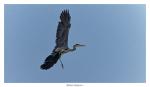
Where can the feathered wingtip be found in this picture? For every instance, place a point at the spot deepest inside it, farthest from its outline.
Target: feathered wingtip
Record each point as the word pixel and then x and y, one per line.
pixel 46 66
pixel 65 15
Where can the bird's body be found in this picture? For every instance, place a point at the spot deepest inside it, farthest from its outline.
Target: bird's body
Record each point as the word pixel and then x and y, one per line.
pixel 61 41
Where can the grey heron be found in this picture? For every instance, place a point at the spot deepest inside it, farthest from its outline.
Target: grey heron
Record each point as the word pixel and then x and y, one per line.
pixel 61 41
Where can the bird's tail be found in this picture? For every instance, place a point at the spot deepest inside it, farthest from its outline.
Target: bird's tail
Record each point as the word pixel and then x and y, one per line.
pixel 50 60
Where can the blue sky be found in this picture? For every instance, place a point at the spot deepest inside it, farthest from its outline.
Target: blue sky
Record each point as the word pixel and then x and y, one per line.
pixel 114 36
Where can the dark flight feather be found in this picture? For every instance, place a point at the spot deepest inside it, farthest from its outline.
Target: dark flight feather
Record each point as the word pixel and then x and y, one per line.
pixel 51 60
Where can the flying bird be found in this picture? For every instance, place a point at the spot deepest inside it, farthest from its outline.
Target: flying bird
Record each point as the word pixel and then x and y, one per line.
pixel 61 41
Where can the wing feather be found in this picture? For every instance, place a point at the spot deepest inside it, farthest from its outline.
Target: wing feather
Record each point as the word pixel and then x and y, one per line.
pixel 63 30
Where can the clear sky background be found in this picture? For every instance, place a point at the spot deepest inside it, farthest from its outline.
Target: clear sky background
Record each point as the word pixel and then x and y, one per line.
pixel 114 36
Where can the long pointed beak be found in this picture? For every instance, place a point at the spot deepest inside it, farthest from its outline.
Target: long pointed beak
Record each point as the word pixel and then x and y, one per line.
pixel 82 45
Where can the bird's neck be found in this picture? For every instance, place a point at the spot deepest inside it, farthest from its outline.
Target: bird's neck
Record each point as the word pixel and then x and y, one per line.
pixel 74 48
pixel 69 50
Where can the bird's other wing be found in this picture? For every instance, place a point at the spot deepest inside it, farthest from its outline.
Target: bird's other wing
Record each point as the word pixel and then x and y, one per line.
pixel 50 60
pixel 63 30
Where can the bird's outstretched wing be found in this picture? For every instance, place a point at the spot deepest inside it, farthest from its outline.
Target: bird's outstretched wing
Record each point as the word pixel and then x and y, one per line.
pixel 63 30
pixel 61 40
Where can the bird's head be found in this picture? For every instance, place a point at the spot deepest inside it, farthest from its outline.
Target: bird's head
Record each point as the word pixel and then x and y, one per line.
pixel 78 45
